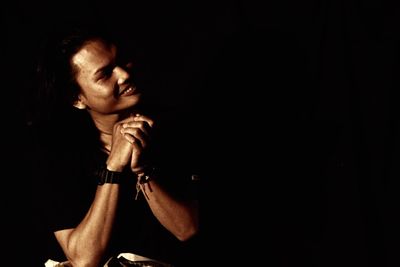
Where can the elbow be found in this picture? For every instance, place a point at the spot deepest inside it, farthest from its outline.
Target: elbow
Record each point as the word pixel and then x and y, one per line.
pixel 186 236
pixel 190 228
pixel 89 259
pixel 187 232
pixel 82 252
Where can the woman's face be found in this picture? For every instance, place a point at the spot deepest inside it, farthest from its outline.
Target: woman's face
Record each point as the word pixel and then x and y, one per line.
pixel 106 85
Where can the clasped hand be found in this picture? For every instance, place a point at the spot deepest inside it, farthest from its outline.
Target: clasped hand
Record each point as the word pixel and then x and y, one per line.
pixel 130 138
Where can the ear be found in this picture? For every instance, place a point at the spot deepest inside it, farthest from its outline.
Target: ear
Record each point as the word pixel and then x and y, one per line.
pixel 79 103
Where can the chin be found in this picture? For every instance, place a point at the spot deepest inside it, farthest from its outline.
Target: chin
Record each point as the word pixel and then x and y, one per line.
pixel 132 100
pixel 132 104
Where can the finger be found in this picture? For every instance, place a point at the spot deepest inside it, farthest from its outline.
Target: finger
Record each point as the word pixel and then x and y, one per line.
pixel 129 138
pixel 128 119
pixel 136 136
pixel 134 142
pixel 137 124
pixel 139 117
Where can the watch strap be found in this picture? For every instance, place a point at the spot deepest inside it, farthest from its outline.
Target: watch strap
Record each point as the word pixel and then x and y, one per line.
pixel 106 176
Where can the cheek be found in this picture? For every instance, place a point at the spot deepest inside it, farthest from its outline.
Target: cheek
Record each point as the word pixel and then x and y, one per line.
pixel 98 90
pixel 102 104
pixel 105 92
pixel 105 87
pixel 84 86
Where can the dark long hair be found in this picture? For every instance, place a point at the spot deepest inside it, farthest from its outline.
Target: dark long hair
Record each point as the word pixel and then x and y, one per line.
pixel 56 85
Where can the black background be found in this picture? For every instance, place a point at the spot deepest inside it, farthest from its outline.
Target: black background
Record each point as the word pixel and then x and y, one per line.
pixel 295 114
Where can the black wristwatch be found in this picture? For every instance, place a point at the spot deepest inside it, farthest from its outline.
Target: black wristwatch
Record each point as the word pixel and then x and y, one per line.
pixel 106 176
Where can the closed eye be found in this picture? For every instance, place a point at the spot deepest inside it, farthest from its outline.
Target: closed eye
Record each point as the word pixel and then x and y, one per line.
pixel 105 73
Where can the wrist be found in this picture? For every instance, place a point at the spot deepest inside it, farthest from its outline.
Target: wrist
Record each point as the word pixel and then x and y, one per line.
pixel 113 167
pixel 107 176
pixel 146 174
pixel 138 170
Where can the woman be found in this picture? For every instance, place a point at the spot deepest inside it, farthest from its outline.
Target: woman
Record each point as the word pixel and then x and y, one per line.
pixel 106 192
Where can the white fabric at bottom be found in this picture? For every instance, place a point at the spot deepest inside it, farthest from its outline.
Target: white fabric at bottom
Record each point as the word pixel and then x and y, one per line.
pixel 129 256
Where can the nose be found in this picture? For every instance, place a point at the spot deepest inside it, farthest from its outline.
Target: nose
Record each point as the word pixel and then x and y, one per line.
pixel 122 75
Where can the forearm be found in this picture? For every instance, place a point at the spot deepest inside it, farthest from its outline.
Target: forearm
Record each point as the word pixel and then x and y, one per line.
pixel 85 245
pixel 179 217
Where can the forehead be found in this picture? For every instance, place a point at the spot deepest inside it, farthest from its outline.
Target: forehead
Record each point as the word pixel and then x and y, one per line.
pixel 94 54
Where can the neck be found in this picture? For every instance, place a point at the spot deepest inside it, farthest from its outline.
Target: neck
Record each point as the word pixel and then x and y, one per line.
pixel 106 140
pixel 105 122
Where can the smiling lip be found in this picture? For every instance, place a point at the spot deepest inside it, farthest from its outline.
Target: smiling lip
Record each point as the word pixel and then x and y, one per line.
pixel 130 90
